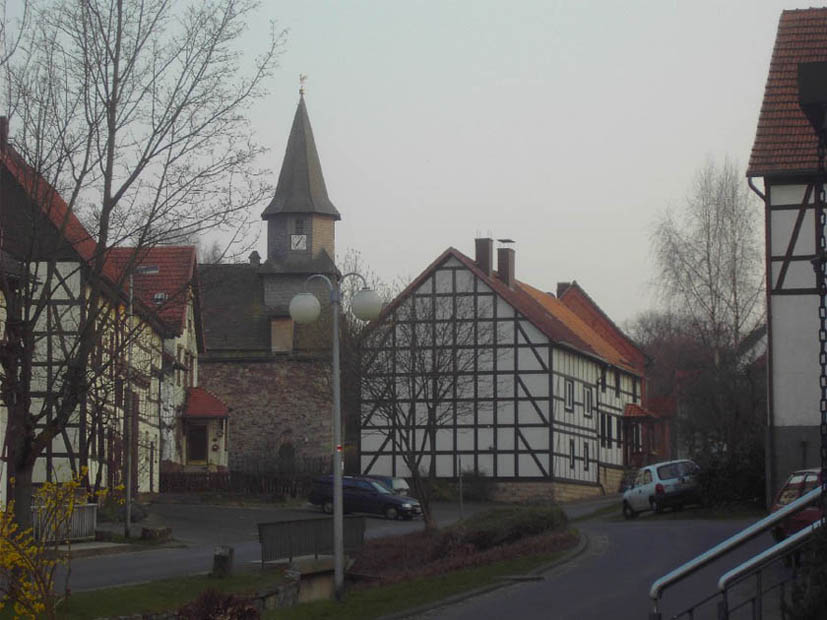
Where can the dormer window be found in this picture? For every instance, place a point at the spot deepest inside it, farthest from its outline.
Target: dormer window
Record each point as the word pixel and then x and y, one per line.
pixel 160 298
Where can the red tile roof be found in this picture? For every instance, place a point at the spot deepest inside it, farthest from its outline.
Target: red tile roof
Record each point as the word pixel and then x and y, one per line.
pixel 560 324
pixel 636 411
pixel 784 141
pixel 204 404
pixel 176 270
pixel 40 192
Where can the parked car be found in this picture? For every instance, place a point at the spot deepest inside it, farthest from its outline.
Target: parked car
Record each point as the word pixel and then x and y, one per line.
pixel 798 483
pixel 661 485
pixel 361 494
pixel 397 485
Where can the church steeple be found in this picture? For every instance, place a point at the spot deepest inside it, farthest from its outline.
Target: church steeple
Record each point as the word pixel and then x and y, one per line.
pixel 301 187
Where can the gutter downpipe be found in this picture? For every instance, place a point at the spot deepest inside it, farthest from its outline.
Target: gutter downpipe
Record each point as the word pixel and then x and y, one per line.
pixel 698 562
pixel 770 483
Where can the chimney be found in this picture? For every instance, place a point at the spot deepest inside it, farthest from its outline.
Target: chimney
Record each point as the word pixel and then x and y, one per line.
pixel 505 266
pixel 485 254
pixel 4 133
pixel 255 259
pixel 562 287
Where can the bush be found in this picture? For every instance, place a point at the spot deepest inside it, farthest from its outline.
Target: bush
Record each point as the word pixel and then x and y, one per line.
pixel 476 486
pixel 500 526
pixel 214 605
pixel 724 481
pixel 810 593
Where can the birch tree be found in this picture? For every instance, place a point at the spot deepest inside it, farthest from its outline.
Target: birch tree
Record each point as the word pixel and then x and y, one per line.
pixel 135 113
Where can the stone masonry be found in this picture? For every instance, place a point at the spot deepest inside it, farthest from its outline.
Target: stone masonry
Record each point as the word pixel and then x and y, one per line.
pixel 277 406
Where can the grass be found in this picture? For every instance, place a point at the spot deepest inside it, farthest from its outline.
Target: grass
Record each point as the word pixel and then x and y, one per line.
pixel 159 596
pixel 374 602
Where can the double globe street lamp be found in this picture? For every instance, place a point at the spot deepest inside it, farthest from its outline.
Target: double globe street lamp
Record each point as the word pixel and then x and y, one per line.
pixel 305 308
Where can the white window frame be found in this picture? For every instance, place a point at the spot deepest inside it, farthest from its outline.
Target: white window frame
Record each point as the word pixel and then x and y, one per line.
pixel 569 395
pixel 588 401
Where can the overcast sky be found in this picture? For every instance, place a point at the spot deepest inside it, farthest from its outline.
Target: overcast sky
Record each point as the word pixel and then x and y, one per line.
pixel 566 126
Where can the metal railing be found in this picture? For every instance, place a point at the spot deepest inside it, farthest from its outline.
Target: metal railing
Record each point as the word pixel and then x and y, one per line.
pixel 312 536
pixel 695 564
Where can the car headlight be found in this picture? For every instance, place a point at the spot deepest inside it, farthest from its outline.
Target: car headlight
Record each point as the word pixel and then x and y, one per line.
pixel 408 506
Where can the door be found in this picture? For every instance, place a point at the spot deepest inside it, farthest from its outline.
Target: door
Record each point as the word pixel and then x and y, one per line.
pixel 197 444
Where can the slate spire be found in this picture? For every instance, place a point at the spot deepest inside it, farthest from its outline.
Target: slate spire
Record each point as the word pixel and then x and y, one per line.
pixel 301 187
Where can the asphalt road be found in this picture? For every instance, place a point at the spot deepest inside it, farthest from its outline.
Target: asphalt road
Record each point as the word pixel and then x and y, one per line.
pixel 611 579
pixel 200 528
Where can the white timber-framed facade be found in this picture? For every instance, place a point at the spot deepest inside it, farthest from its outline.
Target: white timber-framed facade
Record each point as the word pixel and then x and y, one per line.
pixel 783 172
pixel 525 391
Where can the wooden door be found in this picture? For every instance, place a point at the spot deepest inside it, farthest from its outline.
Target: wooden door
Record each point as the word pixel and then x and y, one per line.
pixel 197 444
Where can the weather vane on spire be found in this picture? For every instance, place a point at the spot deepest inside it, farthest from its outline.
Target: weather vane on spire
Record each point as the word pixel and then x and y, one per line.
pixel 302 80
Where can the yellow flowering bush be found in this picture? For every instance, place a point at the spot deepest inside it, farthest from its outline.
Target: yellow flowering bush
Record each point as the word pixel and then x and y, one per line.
pixel 29 558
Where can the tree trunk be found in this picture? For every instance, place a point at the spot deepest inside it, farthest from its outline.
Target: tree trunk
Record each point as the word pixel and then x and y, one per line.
pixel 22 495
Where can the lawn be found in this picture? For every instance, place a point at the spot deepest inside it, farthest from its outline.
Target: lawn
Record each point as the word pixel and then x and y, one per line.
pixel 159 595
pixel 364 603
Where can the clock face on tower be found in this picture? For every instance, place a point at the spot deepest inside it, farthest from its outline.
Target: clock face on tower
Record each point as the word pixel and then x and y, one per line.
pixel 298 242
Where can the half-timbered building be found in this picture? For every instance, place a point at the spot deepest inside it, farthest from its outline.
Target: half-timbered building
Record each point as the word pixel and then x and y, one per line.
pixel 470 369
pixel 783 171
pixel 48 253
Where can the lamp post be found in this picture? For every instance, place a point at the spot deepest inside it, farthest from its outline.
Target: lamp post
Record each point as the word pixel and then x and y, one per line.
pixel 127 402
pixel 304 308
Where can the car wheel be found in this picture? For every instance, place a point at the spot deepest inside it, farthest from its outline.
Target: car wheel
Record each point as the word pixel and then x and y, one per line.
pixel 391 513
pixel 327 507
pixel 628 513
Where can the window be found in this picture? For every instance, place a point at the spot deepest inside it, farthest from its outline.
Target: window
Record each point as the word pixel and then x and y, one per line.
pixel 619 431
pixel 571 453
pixel 634 389
pixel 569 395
pixel 603 379
pixel 602 430
pixel 587 400
pixel 609 431
pixel 636 437
pixel 585 456
pixel 617 382
pixel 299 226
pixel 160 298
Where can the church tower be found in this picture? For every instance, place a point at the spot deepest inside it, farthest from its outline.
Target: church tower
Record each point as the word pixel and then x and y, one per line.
pixel 301 218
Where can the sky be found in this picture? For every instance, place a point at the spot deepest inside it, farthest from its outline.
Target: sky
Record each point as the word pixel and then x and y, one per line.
pixel 568 126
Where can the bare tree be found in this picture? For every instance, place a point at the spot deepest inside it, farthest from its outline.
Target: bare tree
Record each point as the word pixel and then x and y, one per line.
pixel 710 275
pixel 418 376
pixel 131 117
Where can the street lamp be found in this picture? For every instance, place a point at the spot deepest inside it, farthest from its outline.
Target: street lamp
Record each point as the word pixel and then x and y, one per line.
pixel 128 412
pixel 304 308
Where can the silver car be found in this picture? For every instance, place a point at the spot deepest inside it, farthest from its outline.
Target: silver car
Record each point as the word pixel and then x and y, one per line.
pixel 661 485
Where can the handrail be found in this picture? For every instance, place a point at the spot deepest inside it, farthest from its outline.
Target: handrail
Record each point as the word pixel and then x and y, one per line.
pixel 766 556
pixel 698 562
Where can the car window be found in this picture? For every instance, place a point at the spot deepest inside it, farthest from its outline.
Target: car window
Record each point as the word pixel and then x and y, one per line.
pixel 381 488
pixel 667 472
pixel 791 491
pixel 639 479
pixel 810 482
pixel 647 477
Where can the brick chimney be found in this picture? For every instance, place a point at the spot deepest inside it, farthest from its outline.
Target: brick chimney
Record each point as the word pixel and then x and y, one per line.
pixel 485 254
pixel 562 287
pixel 505 266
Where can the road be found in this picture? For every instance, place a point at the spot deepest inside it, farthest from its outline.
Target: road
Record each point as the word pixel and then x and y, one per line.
pixel 199 528
pixel 611 579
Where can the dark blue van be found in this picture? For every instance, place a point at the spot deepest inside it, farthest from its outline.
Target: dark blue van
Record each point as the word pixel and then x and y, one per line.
pixel 360 494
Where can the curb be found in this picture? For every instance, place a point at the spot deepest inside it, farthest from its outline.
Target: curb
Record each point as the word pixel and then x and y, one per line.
pixel 502 582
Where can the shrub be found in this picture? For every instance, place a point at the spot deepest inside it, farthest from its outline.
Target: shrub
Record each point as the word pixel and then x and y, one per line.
pixel 500 526
pixel 726 480
pixel 214 605
pixel 810 593
pixel 476 486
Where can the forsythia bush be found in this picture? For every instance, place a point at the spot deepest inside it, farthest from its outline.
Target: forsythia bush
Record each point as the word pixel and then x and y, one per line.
pixel 29 558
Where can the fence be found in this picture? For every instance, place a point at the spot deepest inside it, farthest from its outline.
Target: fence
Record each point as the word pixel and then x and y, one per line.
pixel 271 484
pixel 81 526
pixel 312 536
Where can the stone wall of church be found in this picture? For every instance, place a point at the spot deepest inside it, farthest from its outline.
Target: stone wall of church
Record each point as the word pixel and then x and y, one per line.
pixel 280 410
